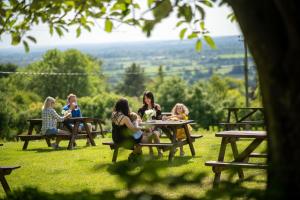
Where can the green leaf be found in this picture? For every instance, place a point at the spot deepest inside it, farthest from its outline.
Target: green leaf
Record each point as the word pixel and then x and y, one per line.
pixel 59 31
pixel 87 28
pixel 148 27
pixel 210 41
pixel 32 39
pixel 108 25
pixel 51 29
pixel 182 32
pixel 26 46
pixel 15 38
pixel 186 12
pixel 179 23
pixel 201 11
pixel 150 2
pixel 137 6
pixel 207 3
pixel 192 35
pixel 162 9
pixel 198 45
pixel 202 25
pixel 78 32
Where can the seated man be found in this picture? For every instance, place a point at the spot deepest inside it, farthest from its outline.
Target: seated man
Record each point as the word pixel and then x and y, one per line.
pixel 74 109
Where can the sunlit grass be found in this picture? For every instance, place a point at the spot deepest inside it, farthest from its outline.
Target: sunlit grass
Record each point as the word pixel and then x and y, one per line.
pixel 90 168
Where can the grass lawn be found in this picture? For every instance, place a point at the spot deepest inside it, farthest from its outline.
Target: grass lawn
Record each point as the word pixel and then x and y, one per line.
pixel 90 168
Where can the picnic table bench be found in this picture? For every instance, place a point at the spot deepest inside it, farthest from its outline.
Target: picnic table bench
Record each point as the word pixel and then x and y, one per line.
pixel 241 160
pixel 4 171
pixel 171 146
pixel 35 124
pixel 240 117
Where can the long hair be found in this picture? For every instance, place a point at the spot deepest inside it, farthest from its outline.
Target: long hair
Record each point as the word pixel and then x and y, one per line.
pixel 184 109
pixel 47 102
pixel 122 106
pixel 149 95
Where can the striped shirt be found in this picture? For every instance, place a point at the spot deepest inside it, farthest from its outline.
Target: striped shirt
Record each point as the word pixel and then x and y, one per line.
pixel 50 119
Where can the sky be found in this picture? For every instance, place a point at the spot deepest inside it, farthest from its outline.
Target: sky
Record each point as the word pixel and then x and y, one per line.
pixel 216 22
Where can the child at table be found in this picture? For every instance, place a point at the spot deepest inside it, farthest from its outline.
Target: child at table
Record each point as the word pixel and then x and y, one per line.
pixel 135 119
pixel 50 119
pixel 180 112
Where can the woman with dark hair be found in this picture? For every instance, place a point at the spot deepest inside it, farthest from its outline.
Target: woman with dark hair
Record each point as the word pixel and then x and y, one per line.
pixel 123 129
pixel 149 104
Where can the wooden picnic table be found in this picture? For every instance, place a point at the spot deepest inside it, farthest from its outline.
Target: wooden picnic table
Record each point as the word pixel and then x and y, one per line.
pixel 4 171
pixel 35 124
pixel 241 159
pixel 239 117
pixel 173 126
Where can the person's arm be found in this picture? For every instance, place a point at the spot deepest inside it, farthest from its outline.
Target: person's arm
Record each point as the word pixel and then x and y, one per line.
pixel 56 116
pixel 158 112
pixel 129 124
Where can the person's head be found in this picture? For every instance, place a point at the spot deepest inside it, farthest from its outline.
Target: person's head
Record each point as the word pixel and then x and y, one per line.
pixel 180 108
pixel 48 103
pixel 148 98
pixel 71 98
pixel 133 116
pixel 122 107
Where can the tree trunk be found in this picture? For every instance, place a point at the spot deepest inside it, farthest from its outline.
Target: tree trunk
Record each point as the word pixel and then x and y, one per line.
pixel 272 31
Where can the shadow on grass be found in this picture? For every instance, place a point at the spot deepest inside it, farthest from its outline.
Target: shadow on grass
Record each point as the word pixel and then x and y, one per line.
pixel 146 161
pixel 49 149
pixel 140 178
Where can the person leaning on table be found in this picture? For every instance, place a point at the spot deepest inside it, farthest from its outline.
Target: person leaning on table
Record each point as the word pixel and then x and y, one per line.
pixel 50 119
pixel 123 130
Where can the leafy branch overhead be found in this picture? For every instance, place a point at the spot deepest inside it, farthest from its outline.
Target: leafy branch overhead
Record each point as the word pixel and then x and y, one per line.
pixel 18 17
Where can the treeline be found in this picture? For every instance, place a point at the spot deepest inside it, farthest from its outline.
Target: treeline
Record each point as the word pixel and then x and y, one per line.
pixel 59 73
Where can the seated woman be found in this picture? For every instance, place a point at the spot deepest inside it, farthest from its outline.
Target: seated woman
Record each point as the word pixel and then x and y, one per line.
pixel 149 104
pixel 50 119
pixel 123 130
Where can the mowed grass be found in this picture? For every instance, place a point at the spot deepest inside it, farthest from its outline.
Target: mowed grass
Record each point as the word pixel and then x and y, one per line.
pixel 90 168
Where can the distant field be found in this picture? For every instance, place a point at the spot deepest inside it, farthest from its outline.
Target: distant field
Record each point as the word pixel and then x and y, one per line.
pixel 90 168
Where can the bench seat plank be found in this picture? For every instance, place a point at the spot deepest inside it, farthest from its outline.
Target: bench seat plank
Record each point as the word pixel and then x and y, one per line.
pixel 236 164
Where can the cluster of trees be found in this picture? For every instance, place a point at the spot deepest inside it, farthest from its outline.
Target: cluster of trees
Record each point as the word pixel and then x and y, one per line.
pixel 60 73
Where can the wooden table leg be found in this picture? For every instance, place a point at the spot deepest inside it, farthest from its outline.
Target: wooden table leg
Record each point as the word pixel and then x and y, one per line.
pixel 173 148
pixel 86 127
pixel 31 126
pixel 220 158
pixel 235 154
pixel 4 184
pixel 245 154
pixel 188 137
pixel 115 155
pixel 73 135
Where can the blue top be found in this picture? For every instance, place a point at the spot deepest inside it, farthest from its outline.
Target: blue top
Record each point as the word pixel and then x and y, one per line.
pixel 75 113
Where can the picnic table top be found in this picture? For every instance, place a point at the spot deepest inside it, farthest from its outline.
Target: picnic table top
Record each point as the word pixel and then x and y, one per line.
pixel 243 108
pixel 167 122
pixel 73 119
pixel 243 134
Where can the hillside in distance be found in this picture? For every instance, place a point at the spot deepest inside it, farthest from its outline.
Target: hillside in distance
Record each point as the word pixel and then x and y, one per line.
pixel 177 57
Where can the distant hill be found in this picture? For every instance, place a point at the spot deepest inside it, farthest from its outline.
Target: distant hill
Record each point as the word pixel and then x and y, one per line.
pixel 176 56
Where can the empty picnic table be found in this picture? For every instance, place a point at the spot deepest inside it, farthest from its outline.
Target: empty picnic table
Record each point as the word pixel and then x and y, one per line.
pixel 75 134
pixel 241 159
pixel 239 117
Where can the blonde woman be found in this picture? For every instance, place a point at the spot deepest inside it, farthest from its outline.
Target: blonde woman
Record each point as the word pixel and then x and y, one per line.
pixel 50 119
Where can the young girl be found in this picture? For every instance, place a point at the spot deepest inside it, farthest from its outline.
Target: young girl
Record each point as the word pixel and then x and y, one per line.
pixel 180 112
pixel 50 119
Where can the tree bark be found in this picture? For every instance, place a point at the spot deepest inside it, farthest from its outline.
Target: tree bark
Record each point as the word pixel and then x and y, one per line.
pixel 271 29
